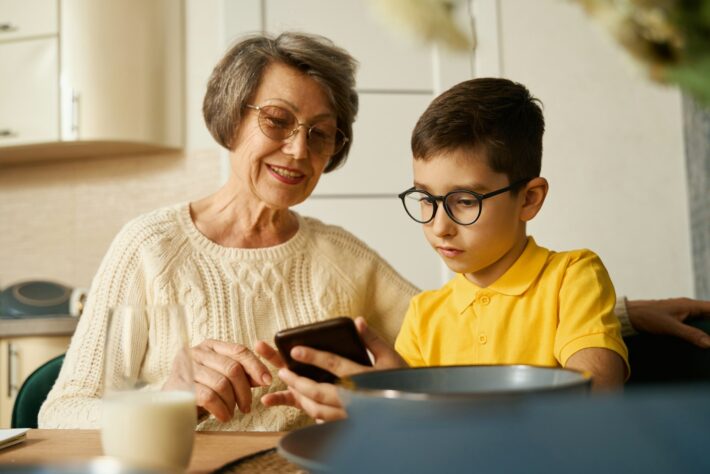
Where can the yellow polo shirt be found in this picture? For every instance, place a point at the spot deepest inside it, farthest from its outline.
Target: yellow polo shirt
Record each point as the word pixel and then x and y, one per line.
pixel 546 307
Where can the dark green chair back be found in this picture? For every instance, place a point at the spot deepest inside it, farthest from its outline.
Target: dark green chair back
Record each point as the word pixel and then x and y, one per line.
pixel 34 392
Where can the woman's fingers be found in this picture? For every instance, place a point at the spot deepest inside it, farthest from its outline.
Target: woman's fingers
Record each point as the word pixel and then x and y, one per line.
pixel 271 355
pixel 691 334
pixel 257 372
pixel 225 374
pixel 225 377
pixel 232 391
pixel 208 399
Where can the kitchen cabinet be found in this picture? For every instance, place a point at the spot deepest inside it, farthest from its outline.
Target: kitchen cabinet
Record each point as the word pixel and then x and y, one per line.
pixel 21 19
pixel 19 357
pixel 30 103
pixel 83 78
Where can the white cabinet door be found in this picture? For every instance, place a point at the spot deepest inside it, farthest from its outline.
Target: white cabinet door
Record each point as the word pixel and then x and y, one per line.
pixel 29 92
pixel 27 18
pixel 121 71
pixel 384 226
pixel 19 357
pixel 386 61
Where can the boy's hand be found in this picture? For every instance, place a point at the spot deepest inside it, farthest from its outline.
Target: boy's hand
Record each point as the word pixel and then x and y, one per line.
pixel 668 317
pixel 320 400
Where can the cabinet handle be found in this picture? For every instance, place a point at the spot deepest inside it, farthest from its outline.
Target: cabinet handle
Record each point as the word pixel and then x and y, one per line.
pixel 13 383
pixel 7 28
pixel 7 133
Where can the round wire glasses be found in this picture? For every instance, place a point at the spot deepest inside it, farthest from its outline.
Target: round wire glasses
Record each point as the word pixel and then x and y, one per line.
pixel 462 206
pixel 277 123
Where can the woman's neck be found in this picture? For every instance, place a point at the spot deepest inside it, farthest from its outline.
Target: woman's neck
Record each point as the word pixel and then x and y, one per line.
pixel 231 220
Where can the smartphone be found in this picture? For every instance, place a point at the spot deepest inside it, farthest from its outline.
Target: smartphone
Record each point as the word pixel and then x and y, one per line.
pixel 337 335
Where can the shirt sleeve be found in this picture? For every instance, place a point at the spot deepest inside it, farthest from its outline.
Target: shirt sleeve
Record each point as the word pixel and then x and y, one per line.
pixel 586 310
pixel 407 344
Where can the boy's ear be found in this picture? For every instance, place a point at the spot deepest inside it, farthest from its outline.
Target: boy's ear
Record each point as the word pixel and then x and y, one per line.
pixel 534 194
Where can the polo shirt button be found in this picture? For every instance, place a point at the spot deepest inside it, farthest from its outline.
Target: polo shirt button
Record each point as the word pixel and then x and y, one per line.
pixel 485 300
pixel 482 338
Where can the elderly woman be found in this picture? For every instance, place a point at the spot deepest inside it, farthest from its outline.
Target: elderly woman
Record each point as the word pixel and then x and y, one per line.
pixel 242 262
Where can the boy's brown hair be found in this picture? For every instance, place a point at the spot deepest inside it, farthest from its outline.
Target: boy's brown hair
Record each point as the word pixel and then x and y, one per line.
pixel 496 116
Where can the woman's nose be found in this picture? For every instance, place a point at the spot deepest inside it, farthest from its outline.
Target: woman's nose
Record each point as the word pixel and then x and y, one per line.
pixel 297 144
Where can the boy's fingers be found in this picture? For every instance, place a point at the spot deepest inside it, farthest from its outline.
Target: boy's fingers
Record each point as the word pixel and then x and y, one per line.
pixel 320 412
pixel 318 400
pixel 271 355
pixel 334 364
pixel 322 393
pixel 372 341
pixel 284 397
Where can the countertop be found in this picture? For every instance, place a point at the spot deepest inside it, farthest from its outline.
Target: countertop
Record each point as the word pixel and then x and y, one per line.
pixel 61 325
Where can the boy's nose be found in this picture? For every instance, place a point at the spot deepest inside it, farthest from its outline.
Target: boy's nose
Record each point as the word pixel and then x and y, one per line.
pixel 442 225
pixel 297 144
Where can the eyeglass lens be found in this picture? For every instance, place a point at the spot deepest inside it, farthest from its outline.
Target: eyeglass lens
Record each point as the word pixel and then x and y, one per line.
pixel 277 123
pixel 463 207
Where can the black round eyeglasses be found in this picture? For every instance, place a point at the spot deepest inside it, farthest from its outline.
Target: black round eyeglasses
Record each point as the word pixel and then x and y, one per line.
pixel 461 205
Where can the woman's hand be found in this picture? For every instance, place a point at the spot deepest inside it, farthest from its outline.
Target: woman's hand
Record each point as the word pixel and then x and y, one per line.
pixel 224 375
pixel 320 400
pixel 668 317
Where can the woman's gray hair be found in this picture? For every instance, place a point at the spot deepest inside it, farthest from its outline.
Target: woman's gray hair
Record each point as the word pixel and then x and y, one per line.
pixel 236 77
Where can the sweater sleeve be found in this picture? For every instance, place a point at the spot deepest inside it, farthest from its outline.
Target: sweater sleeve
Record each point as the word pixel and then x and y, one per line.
pixel 75 399
pixel 387 299
pixel 377 291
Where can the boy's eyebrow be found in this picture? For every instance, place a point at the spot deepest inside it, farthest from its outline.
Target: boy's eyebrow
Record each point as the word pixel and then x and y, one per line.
pixel 478 188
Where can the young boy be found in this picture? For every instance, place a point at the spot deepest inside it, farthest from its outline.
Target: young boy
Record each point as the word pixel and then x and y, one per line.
pixel 477 158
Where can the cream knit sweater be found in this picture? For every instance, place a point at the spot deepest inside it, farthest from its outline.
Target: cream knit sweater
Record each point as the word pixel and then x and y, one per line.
pixel 236 295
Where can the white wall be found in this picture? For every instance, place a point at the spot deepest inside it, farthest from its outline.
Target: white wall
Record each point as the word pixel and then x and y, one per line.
pixel 613 146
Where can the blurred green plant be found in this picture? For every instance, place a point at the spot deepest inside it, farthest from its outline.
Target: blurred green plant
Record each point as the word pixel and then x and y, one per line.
pixel 670 37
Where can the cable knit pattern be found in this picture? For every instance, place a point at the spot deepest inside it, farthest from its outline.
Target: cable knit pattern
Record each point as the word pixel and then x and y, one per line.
pixel 236 295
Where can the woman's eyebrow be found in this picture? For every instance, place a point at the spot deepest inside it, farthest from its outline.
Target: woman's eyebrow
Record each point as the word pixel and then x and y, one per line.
pixel 296 109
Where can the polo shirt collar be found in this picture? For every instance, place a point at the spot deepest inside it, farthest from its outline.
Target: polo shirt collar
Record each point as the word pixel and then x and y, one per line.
pixel 514 282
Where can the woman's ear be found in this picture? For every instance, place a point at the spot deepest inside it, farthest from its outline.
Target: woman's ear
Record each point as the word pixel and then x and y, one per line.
pixel 534 194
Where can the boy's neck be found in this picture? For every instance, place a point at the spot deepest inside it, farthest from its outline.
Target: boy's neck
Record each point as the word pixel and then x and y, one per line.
pixel 487 276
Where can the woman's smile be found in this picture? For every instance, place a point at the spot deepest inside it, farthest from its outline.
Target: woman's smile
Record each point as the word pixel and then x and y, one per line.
pixel 286 175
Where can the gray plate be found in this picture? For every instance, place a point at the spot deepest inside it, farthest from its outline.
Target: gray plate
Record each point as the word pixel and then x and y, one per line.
pixel 307 447
pixel 651 431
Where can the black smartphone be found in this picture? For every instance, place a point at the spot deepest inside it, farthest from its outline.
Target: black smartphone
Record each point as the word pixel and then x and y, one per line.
pixel 337 335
